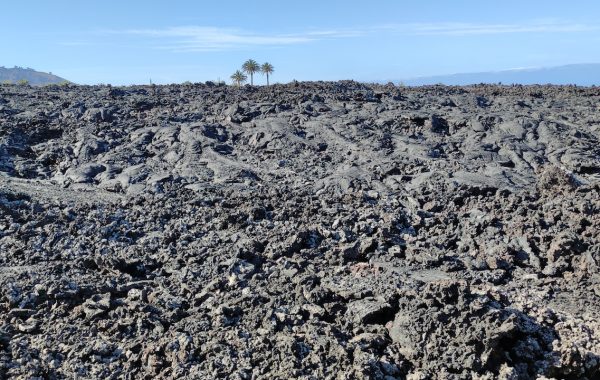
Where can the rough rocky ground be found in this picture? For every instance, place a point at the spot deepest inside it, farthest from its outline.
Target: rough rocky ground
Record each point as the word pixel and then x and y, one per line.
pixel 310 231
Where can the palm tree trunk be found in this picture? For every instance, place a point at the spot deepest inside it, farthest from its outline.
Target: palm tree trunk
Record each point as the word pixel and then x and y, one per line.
pixel 267 79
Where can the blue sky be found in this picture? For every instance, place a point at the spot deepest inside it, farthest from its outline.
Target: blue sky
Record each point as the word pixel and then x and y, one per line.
pixel 123 42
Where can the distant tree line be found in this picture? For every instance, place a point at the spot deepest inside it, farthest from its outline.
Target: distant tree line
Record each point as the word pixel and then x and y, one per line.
pixel 251 67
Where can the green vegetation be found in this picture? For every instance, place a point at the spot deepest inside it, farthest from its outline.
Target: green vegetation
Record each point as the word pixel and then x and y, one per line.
pixel 267 69
pixel 238 78
pixel 250 67
pixel 23 82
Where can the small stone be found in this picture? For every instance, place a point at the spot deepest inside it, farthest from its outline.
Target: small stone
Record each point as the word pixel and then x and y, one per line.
pixel 29 326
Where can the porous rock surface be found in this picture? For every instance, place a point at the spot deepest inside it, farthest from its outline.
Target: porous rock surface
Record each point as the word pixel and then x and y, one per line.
pixel 309 231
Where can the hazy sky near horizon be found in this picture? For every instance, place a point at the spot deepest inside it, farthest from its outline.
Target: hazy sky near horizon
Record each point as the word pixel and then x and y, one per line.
pixel 124 42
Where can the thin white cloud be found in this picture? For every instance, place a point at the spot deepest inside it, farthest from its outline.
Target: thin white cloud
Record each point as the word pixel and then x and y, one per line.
pixel 339 33
pixel 471 29
pixel 205 38
pixel 202 38
pixel 75 43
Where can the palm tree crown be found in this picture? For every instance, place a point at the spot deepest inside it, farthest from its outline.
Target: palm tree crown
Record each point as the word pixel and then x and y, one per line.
pixel 250 67
pixel 238 78
pixel 267 69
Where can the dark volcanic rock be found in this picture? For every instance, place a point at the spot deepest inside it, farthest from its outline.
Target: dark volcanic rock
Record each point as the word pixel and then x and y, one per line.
pixel 310 231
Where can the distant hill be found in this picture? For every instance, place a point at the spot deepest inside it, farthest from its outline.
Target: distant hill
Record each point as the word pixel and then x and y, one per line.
pixel 35 78
pixel 578 74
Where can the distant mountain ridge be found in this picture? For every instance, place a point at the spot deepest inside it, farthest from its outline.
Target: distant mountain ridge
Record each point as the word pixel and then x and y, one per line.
pixel 585 74
pixel 35 78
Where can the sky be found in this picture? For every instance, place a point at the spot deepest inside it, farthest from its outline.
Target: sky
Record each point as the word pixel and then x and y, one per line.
pixel 129 42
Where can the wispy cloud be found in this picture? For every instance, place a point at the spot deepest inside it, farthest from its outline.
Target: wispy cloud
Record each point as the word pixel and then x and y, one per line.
pixel 75 43
pixel 466 29
pixel 206 38
pixel 203 38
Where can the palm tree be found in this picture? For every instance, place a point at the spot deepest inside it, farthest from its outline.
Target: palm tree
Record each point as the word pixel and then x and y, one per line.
pixel 238 78
pixel 250 67
pixel 267 69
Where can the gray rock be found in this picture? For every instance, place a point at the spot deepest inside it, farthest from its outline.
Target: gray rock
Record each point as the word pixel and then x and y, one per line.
pixel 310 230
pixel 369 311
